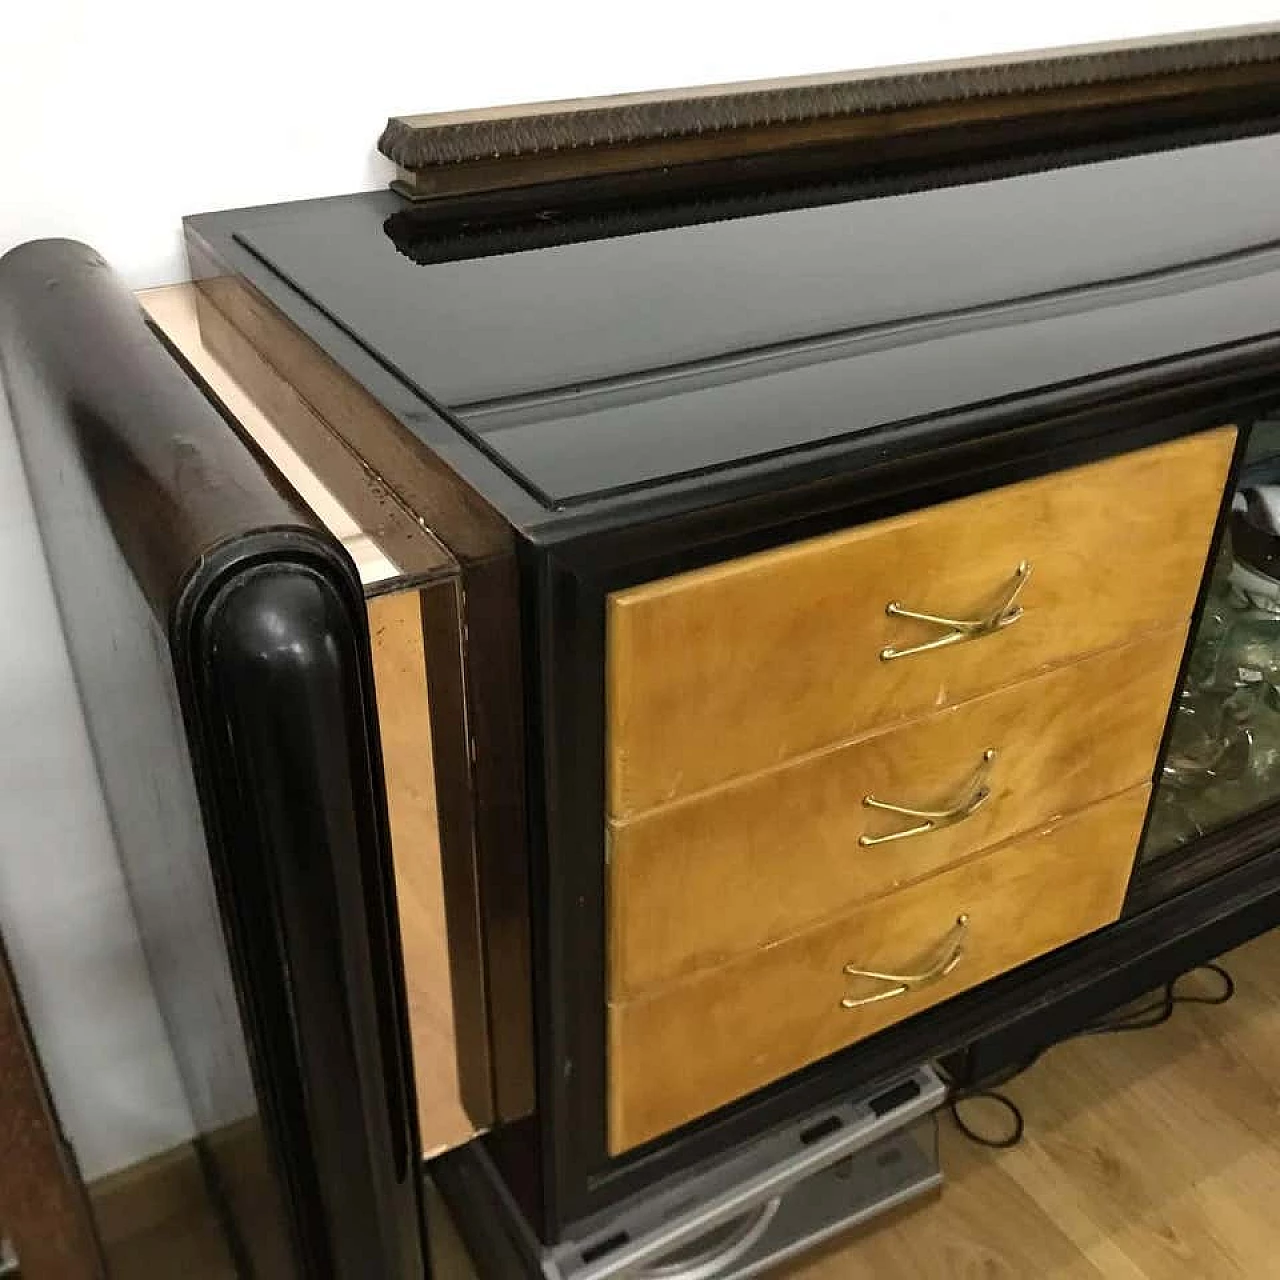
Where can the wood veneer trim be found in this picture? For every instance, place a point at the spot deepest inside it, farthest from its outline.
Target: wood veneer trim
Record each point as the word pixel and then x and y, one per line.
pixel 443 967
pixel 455 515
pixel 343 492
pixel 487 603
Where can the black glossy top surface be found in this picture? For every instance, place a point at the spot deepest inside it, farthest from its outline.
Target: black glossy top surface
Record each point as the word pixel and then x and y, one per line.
pixel 626 358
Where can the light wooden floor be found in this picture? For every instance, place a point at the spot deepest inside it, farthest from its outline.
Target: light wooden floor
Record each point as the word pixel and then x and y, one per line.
pixel 1151 1155
pixel 1154 1154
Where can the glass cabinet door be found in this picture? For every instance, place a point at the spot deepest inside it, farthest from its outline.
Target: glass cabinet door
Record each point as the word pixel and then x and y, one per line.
pixel 1222 755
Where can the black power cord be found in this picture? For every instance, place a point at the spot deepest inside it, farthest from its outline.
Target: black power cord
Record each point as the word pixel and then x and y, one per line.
pixel 1143 1018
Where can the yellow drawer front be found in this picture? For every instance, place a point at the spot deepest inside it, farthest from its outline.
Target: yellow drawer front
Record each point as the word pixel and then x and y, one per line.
pixel 697 882
pixel 730 670
pixel 706 1041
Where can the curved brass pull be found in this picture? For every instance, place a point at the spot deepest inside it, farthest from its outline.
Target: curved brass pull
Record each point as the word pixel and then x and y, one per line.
pixel 934 819
pixel 958 629
pixel 951 953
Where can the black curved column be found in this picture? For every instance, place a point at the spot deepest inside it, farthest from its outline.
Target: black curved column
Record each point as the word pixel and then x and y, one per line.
pixel 218 639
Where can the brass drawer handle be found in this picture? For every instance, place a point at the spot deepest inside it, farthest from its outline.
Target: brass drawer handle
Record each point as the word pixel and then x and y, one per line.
pixel 934 819
pixel 958 629
pixel 951 953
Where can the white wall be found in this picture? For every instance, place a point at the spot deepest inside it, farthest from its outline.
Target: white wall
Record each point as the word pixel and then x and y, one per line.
pixel 64 912
pixel 119 118
pixel 115 120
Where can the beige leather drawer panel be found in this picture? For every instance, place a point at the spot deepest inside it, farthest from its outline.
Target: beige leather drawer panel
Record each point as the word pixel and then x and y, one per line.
pixel 731 870
pixel 729 670
pixel 704 1042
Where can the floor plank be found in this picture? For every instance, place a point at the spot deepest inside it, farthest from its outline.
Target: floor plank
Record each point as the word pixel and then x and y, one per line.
pixel 1148 1156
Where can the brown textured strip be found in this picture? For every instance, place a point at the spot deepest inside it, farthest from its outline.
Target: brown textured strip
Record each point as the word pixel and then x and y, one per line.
pixel 490 135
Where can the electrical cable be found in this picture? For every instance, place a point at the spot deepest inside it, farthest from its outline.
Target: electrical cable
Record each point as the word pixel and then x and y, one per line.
pixel 1153 1014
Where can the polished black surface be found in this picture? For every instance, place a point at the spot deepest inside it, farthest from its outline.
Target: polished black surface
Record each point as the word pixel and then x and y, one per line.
pixel 599 365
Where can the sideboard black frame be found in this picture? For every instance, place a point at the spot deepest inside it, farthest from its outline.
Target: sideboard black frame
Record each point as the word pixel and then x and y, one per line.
pixel 556 1161
pixel 566 589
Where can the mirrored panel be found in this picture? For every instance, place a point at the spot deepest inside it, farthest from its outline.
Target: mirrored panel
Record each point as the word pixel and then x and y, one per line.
pixel 1222 756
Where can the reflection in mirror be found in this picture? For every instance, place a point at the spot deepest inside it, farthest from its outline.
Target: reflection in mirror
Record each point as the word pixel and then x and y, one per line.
pixel 1222 757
